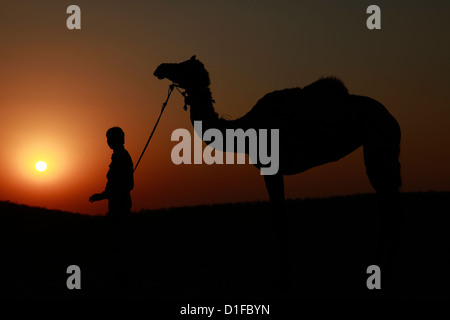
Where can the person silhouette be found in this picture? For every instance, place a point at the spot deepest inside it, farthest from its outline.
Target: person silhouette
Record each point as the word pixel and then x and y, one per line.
pixel 120 177
pixel 117 192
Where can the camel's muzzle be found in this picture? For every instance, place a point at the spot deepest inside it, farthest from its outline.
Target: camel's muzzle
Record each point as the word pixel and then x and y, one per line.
pixel 159 75
pixel 159 72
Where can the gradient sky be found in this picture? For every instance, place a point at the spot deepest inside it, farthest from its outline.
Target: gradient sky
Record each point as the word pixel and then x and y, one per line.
pixel 60 90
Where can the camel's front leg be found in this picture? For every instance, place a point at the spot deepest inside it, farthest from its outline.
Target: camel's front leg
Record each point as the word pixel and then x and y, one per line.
pixel 275 188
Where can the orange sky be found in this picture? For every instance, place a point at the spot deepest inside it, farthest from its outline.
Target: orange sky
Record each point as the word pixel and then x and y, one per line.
pixel 60 90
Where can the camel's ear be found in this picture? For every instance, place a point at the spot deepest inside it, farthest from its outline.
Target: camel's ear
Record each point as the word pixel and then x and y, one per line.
pixel 193 58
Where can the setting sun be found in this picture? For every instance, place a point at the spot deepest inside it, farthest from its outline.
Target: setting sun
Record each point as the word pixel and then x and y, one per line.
pixel 41 166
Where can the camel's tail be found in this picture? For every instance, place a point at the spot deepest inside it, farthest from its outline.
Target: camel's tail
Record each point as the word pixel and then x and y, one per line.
pixel 383 167
pixel 381 155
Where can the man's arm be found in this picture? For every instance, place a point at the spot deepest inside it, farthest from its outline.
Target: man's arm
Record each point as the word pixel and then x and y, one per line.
pixel 98 196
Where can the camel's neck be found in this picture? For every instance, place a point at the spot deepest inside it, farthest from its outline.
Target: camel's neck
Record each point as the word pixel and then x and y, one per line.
pixel 201 106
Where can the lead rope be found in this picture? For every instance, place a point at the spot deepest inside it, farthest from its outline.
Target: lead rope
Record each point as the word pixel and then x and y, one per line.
pixel 157 121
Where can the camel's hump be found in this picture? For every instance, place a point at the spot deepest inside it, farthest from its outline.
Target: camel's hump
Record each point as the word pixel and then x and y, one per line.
pixel 329 86
pixel 325 88
pixel 319 96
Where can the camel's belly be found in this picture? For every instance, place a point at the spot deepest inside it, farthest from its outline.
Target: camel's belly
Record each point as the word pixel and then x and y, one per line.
pixel 318 146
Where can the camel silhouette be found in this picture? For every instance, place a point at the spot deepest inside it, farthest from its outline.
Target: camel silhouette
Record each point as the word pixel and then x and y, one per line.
pixel 317 124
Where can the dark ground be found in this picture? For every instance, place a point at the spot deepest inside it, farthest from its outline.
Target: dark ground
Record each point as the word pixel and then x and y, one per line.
pixel 223 251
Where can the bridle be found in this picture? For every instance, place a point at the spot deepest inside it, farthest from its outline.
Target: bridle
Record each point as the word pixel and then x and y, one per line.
pixel 171 87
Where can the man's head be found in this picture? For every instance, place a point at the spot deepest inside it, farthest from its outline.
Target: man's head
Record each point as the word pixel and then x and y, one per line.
pixel 115 138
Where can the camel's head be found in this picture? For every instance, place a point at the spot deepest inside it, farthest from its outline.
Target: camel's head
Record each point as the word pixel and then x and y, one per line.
pixel 187 74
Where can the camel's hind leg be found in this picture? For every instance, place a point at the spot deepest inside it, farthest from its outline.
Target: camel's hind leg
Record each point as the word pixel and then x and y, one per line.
pixel 275 189
pixel 383 170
